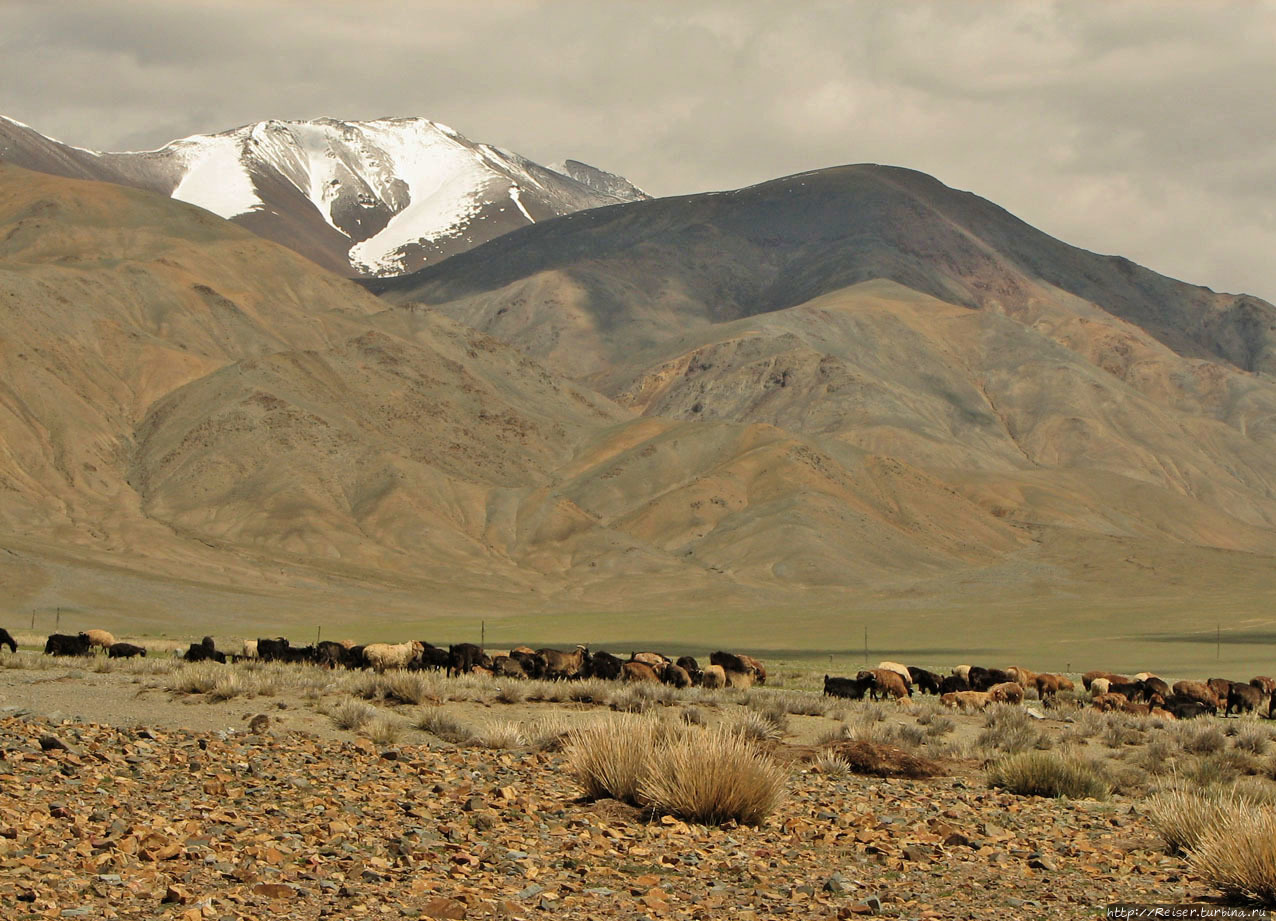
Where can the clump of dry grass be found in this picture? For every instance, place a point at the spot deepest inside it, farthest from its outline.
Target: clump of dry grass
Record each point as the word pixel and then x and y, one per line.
pixel 1200 737
pixel 1007 728
pixel 438 722
pixel 713 776
pixel 384 730
pixel 196 677
pixel 501 734
pixel 352 714
pixel 609 758
pixel 1043 773
pixel 1252 737
pixel 511 692
pixel 1238 853
pixel 831 764
pixel 407 687
pixel 228 685
pixel 759 725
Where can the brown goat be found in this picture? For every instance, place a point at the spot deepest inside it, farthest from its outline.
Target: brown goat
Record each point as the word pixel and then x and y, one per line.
pixel 1195 690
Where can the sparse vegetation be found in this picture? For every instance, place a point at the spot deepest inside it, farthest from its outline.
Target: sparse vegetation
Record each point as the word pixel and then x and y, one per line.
pixel 353 714
pixel 713 776
pixel 1044 773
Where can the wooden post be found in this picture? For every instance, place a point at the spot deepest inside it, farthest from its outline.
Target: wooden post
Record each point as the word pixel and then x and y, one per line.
pixel 318 633
pixel 33 618
pixel 482 634
pixel 57 620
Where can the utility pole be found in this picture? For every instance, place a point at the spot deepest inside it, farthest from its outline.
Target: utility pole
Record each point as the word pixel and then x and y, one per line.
pixel 482 634
pixel 866 644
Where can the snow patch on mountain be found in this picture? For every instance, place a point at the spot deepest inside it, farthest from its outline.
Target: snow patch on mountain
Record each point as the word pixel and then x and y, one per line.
pixel 215 178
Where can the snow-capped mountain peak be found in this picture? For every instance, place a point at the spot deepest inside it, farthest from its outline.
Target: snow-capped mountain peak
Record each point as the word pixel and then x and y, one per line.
pixel 379 197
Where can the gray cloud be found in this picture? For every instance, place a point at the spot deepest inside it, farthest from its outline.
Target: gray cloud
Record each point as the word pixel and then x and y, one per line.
pixel 1135 128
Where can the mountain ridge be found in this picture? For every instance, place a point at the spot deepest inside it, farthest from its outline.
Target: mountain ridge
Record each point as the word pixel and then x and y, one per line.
pixel 359 197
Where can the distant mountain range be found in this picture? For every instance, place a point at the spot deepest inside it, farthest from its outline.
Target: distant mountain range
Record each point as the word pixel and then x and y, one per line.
pixel 854 383
pixel 378 197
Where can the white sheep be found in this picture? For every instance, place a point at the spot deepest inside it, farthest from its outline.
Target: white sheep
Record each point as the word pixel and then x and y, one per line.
pixel 381 656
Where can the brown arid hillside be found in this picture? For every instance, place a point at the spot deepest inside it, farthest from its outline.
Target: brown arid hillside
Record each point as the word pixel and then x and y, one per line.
pixel 635 417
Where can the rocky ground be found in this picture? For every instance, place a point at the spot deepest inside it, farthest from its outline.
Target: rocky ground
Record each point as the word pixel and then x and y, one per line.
pixel 121 819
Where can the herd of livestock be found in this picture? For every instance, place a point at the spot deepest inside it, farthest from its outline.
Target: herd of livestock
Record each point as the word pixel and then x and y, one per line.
pixel 966 688
pixel 725 669
pixel 973 687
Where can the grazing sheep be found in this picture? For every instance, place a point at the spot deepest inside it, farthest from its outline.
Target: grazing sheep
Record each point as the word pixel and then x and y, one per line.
pixel 1220 687
pixel 655 660
pixel 676 676
pixel 714 677
pixel 534 665
pixel 638 671
pixel 927 682
pixel 507 667
pixel 1048 685
pixel 963 672
pixel 1155 685
pixel 1022 676
pixel 1008 692
pixel 1099 686
pixel 525 650
pixel 249 650
pixel 886 682
pixel 691 666
pixel 1264 684
pixel 901 670
pixel 740 674
pixel 1144 676
pixel 966 700
pixel 331 654
pixel 1088 678
pixel 850 688
pixel 62 644
pixel 953 683
pixel 1130 690
pixel 605 665
pixel 124 651
pixel 381 656
pixel 757 668
pixel 980 678
pixel 275 650
pixel 100 639
pixel 463 658
pixel 1245 698
pixel 1108 702
pixel 1186 708
pixel 6 639
pixel 1195 691
pixel 204 651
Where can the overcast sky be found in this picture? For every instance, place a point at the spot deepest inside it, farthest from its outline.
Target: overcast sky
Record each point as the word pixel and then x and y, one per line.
pixel 1146 129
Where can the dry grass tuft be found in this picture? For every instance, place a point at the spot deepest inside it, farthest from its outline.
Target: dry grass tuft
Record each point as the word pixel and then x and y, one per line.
pixel 609 758
pixel 196 678
pixel 713 776
pixel 1238 855
pixel 353 714
pixel 1009 729
pixel 1041 773
pixel 503 734
pixel 384 730
pixel 438 722
pixel 756 726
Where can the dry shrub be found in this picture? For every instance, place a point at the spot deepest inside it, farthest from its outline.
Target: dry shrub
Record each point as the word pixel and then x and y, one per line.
pixel 866 757
pixel 1009 729
pixel 1040 773
pixel 1182 814
pixel 511 692
pixel 353 714
pixel 502 734
pixel 709 776
pixel 438 722
pixel 830 764
pixel 1251 737
pixel 196 678
pixel 756 726
pixel 692 716
pixel 1200 737
pixel 713 776
pixel 407 687
pixel 1238 853
pixel 228 685
pixel 384 730
pixel 548 733
pixel 609 758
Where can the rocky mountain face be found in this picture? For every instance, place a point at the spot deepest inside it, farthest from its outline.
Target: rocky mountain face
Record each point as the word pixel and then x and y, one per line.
pixel 852 384
pixel 378 197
